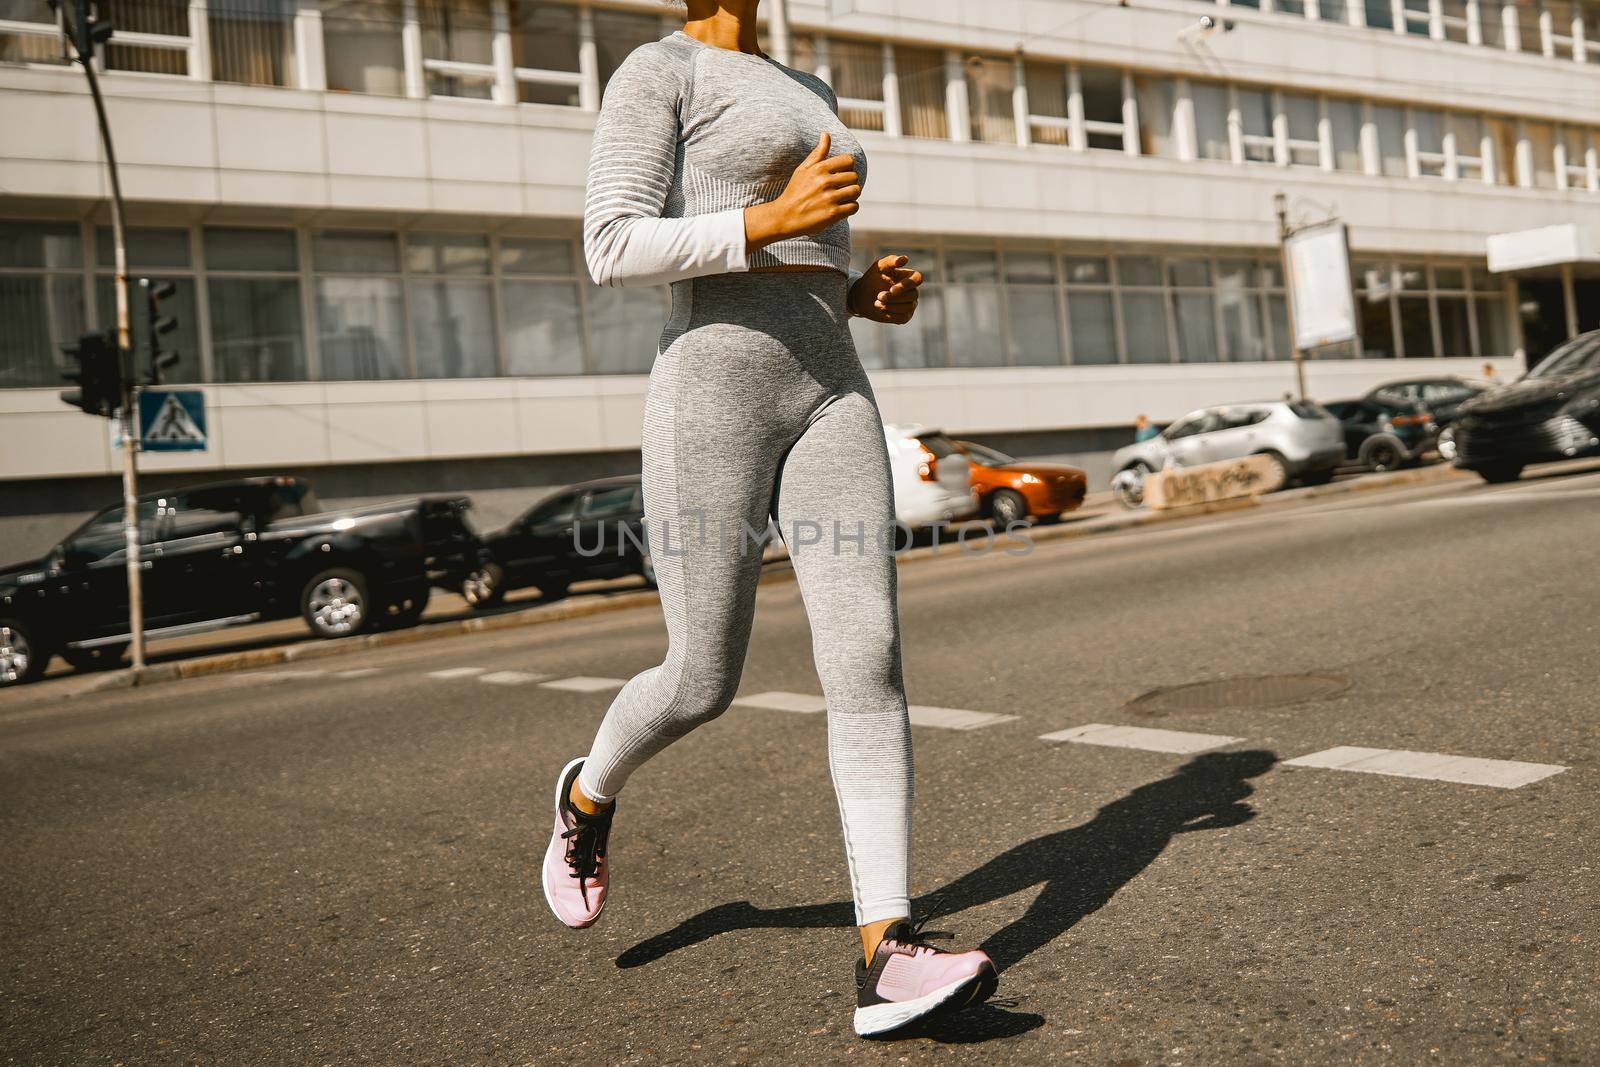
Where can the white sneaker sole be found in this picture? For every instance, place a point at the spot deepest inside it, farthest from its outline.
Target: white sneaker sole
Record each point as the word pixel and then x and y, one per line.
pixel 881 1018
pixel 544 882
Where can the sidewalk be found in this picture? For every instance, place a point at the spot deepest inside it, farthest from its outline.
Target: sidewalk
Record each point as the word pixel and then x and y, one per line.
pixel 284 641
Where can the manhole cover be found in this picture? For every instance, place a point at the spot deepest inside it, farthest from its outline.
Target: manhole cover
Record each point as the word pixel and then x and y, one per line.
pixel 1273 691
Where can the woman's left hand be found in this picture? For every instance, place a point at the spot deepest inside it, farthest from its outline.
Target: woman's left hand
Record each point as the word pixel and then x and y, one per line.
pixel 887 292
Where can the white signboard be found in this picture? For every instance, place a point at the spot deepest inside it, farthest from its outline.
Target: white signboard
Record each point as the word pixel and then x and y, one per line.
pixel 1320 293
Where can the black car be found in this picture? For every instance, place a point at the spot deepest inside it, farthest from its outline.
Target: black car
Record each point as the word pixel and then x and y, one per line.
pixel 1440 396
pixel 1550 413
pixel 1382 435
pixel 591 530
pixel 226 554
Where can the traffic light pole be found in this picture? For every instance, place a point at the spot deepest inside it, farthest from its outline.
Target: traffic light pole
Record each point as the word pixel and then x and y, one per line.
pixel 127 416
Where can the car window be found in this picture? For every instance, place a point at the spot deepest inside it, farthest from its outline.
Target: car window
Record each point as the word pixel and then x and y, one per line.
pixel 1187 426
pixel 938 444
pixel 1579 354
pixel 204 513
pixel 987 456
pixel 293 500
pixel 1238 418
pixel 1445 391
pixel 558 508
pixel 616 500
pixel 101 537
pixel 1395 394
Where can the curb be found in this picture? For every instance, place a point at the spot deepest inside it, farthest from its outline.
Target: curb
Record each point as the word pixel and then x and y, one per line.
pixel 777 571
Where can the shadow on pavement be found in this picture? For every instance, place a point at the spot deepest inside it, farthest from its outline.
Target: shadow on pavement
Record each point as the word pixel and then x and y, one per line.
pixel 1081 868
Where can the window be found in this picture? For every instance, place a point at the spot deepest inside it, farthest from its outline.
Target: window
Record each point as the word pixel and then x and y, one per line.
pixel 1048 117
pixel 544 325
pixel 1101 91
pixel 1526 13
pixel 1090 309
pixel 1374 299
pixel 1503 138
pixel 41 300
pixel 1541 139
pixel 920 342
pixel 253 295
pixel 1390 123
pixel 972 297
pixel 451 305
pixel 1344 122
pixel 544 49
pixel 1575 164
pixel 361 41
pixel 1305 137
pixel 1244 332
pixel 1492 21
pixel 166 48
pixel 1157 98
pixel 1428 129
pixel 1379 14
pixel 1454 310
pixel 457 53
pixel 1563 14
pixel 1194 309
pixel 919 74
pixel 617 34
pixel 162 255
pixel 1454 18
pixel 36 39
pixel 252 41
pixel 625 328
pixel 1032 311
pixel 1416 322
pixel 1211 120
pixel 1416 16
pixel 1466 137
pixel 989 99
pixel 1255 125
pixel 360 325
pixel 858 81
pixel 607 503
pixel 1144 312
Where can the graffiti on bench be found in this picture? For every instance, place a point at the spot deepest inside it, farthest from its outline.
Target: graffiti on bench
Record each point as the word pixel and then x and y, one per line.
pixel 1184 486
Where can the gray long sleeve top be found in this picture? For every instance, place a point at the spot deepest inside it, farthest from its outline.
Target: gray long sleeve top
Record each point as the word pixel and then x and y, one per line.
pixel 689 135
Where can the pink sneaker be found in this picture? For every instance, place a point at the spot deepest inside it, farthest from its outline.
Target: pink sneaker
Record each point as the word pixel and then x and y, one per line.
pixel 910 980
pixel 575 872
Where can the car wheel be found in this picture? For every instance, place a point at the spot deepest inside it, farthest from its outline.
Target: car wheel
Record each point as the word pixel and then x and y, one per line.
pixel 1496 473
pixel 1128 485
pixel 1382 454
pixel 485 587
pixel 22 657
pixel 1277 474
pixel 335 603
pixel 103 658
pixel 647 570
pixel 1007 507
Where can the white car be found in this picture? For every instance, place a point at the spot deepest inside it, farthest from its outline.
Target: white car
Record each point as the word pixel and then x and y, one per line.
pixel 932 480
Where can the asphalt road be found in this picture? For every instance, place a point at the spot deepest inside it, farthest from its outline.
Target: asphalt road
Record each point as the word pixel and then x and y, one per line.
pixel 337 864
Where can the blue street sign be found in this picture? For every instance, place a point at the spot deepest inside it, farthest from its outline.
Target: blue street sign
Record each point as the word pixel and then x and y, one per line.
pixel 172 420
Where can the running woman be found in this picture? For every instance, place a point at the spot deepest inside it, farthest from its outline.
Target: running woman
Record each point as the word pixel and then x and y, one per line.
pixel 729 176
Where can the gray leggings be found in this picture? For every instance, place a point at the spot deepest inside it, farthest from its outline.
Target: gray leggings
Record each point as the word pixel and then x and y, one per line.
pixel 758 407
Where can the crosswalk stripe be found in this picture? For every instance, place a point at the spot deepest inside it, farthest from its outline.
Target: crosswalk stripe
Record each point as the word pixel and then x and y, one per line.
pixel 954 718
pixel 583 684
pixel 1174 741
pixel 1464 770
pixel 510 677
pixel 780 701
pixel 456 672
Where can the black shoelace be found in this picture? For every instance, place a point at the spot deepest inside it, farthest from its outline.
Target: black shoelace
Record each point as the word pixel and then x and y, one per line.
pixel 913 936
pixel 586 845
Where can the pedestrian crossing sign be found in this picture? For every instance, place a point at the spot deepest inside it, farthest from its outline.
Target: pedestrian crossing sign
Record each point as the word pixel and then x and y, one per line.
pixel 172 420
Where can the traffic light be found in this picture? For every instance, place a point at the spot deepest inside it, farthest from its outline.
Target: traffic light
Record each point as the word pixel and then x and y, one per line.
pixel 98 374
pixel 160 358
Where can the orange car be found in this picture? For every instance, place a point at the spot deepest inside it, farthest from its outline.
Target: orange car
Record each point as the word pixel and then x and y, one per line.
pixel 1010 490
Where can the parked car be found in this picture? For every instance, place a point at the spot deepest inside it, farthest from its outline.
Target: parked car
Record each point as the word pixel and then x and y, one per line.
pixel 1011 490
pixel 1302 437
pixel 1440 396
pixel 1550 413
pixel 1383 435
pixel 225 554
pixel 932 478
pixel 589 530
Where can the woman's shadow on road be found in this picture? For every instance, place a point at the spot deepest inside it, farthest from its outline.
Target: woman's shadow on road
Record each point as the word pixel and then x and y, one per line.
pixel 1081 868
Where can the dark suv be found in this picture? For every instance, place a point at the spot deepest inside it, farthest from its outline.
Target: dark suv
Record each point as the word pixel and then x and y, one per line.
pixel 1550 413
pixel 220 555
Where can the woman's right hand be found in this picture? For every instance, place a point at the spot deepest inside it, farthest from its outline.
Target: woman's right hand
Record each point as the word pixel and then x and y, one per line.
pixel 821 191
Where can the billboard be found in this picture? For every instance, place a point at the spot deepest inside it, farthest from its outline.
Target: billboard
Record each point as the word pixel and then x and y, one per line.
pixel 1321 297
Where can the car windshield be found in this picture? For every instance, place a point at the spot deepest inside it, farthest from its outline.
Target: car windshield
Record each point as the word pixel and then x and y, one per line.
pixel 938 444
pixel 1577 355
pixel 987 456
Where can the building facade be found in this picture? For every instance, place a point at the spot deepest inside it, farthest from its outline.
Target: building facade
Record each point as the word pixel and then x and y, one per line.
pixel 371 211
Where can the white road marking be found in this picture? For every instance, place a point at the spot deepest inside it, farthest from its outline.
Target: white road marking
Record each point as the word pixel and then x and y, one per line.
pixel 290 676
pixel 1465 770
pixel 360 672
pixel 510 677
pixel 583 684
pixel 954 718
pixel 456 672
pixel 780 701
pixel 1175 741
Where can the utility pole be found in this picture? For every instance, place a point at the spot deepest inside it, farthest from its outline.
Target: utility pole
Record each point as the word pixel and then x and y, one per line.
pixel 84 33
pixel 1280 204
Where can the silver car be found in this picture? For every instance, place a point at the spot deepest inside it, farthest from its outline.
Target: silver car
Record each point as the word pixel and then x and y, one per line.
pixel 1301 435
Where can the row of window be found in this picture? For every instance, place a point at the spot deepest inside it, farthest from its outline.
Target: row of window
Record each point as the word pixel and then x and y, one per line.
pixel 257 305
pixel 1560 29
